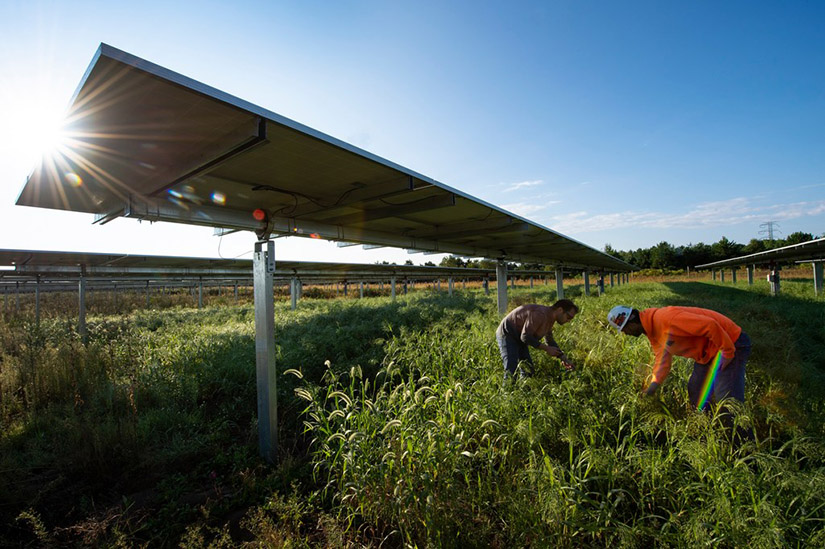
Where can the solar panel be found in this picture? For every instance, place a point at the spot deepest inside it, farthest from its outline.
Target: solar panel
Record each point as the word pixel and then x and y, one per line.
pixel 151 144
pixel 813 249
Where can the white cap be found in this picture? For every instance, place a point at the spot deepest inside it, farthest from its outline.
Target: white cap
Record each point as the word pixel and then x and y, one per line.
pixel 618 316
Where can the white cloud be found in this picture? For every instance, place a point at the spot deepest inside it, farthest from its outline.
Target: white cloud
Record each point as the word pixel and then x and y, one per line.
pixel 522 185
pixel 709 214
pixel 524 209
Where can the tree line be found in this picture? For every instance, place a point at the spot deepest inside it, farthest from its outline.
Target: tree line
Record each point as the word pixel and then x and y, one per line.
pixel 664 256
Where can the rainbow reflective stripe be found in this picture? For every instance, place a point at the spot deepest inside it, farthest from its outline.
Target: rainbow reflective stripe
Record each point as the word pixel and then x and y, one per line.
pixel 711 377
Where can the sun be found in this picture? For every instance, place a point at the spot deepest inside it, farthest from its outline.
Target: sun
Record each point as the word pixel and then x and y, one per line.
pixel 33 129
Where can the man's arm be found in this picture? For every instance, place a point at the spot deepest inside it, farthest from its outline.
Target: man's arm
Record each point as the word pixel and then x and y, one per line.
pixel 553 349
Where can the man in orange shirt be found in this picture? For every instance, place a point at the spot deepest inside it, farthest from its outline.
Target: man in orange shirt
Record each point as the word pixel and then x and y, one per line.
pixel 527 325
pixel 719 348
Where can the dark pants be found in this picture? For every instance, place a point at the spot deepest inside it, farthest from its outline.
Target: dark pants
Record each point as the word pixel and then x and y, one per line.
pixel 730 381
pixel 513 351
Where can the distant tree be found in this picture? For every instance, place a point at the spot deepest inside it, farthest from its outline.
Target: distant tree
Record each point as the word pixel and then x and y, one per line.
pixel 726 249
pixel 640 258
pixel 697 254
pixel 754 246
pixel 663 256
pixel 408 262
pixel 453 261
pixel 429 264
pixel 798 238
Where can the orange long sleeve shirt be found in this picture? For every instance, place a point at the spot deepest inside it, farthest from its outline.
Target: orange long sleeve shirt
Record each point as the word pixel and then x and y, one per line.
pixel 691 332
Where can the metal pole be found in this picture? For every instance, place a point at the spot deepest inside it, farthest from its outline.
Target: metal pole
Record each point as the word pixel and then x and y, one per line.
pixel 601 283
pixel 750 275
pixel 713 274
pixel 200 292
pixel 392 288
pixel 773 279
pixel 531 282
pixel 733 274
pixel 586 283
pixel 147 294
pixel 81 306
pixel 263 266
pixel 722 273
pixel 450 286
pixel 293 293
pixel 361 289
pixel 486 285
pixel 501 286
pixel 37 302
pixel 611 280
pixel 817 277
pixel 559 283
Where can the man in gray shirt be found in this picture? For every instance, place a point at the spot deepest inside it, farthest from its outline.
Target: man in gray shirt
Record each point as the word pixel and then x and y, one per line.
pixel 527 325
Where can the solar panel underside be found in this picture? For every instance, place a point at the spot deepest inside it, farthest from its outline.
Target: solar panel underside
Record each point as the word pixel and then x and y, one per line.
pixel 151 144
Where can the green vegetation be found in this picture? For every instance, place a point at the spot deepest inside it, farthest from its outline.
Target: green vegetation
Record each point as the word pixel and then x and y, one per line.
pixel 396 428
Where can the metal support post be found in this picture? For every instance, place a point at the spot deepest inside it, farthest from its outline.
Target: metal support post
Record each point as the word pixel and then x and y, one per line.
pixel 361 290
pixel 773 279
pixel 817 277
pixel 722 273
pixel 81 305
pixel 559 283
pixel 486 285
pixel 750 275
pixel 611 280
pixel 586 283
pixel 200 292
pixel 392 288
pixel 501 286
pixel 601 283
pixel 733 274
pixel 713 274
pixel 263 266
pixel 147 294
pixel 450 286
pixel 293 293
pixel 531 282
pixel 37 302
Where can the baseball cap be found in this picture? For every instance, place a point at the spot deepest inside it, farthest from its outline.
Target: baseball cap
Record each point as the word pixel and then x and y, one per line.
pixel 618 316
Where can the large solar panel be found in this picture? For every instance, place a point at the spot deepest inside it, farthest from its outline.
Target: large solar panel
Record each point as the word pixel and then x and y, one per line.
pixel 67 264
pixel 151 144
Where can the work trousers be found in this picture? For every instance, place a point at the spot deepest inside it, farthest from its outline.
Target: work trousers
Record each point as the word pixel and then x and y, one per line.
pixel 513 351
pixel 729 382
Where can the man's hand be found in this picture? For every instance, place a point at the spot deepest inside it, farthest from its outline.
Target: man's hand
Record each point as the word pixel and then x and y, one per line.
pixel 552 351
pixel 569 366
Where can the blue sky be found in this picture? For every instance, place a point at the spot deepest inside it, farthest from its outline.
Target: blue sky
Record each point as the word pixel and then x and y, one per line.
pixel 625 123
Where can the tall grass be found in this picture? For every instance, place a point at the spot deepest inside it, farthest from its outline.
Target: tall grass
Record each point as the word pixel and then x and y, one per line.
pixel 396 428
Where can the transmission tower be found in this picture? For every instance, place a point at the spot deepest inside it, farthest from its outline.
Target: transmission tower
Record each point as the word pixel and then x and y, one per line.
pixel 768 229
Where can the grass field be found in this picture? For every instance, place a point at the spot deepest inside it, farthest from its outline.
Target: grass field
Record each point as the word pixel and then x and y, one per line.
pixel 396 429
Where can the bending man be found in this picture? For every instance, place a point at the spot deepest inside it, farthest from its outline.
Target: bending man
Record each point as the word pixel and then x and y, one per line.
pixel 717 345
pixel 527 325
